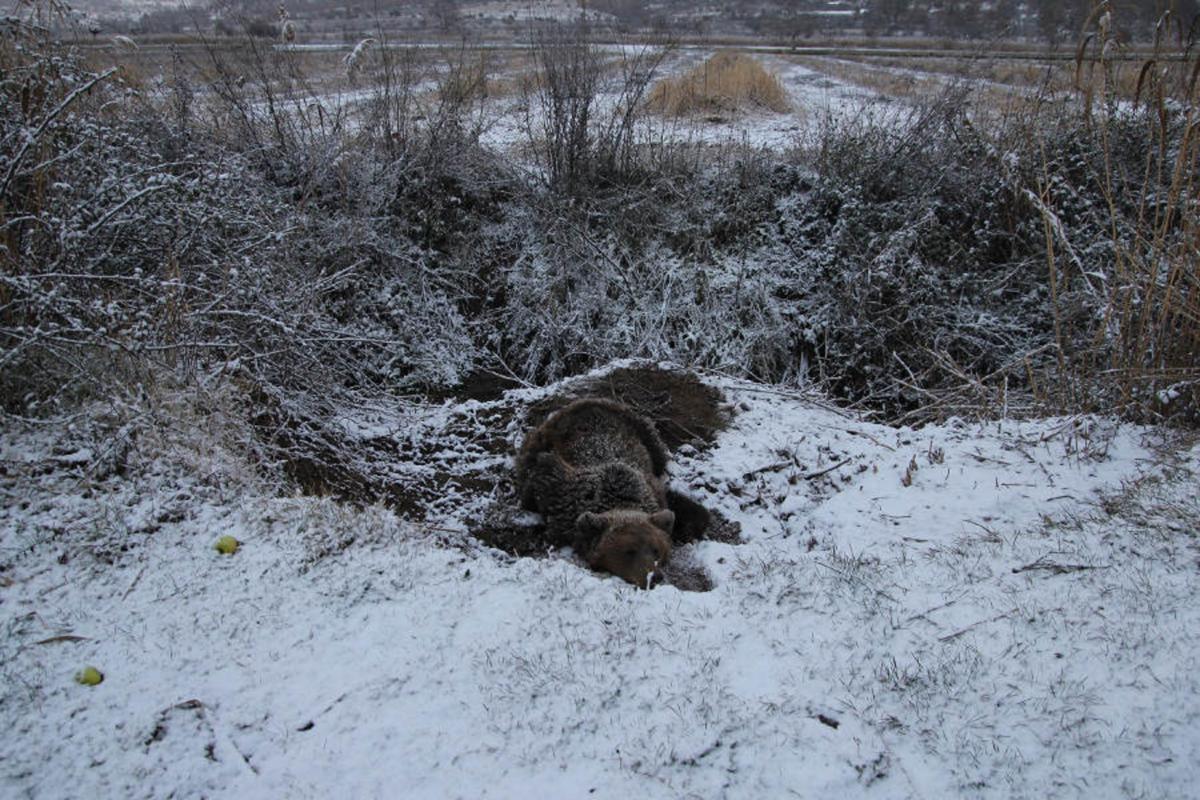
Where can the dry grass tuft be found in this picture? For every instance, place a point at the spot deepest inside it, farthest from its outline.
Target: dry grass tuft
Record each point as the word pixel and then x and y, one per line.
pixel 726 82
pixel 1147 341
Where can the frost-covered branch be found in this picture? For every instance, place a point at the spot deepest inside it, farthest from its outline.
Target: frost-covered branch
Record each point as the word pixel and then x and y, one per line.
pixel 31 138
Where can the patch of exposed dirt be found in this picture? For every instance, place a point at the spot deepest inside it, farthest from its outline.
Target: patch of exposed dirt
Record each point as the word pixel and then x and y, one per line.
pixel 686 576
pixel 479 385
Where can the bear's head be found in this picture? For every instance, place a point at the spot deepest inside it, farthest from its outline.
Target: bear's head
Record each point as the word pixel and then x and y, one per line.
pixel 632 545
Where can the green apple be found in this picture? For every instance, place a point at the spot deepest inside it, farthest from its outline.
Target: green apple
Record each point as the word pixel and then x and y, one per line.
pixel 227 545
pixel 89 676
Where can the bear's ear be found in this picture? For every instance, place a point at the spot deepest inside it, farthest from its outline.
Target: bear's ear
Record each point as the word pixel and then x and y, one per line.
pixel 591 524
pixel 663 520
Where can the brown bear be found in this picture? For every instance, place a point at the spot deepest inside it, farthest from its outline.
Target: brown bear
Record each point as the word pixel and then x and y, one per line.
pixel 596 472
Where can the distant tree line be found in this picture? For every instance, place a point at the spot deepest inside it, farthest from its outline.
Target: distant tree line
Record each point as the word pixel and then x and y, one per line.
pixel 1050 20
pixel 260 18
pixel 1053 21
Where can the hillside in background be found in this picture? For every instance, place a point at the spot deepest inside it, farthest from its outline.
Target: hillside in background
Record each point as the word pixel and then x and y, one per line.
pixel 1045 21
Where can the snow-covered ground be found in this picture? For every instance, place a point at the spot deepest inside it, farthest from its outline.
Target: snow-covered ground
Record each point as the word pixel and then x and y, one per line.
pixel 507 120
pixel 985 610
pixel 816 98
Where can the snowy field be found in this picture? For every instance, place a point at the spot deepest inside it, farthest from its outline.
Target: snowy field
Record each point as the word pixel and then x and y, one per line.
pixel 507 121
pixel 816 99
pixel 982 610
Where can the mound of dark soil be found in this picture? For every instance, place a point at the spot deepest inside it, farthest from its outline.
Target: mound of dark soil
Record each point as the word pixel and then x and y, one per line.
pixel 685 410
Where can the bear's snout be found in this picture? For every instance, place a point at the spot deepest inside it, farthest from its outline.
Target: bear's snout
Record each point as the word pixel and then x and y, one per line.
pixel 635 553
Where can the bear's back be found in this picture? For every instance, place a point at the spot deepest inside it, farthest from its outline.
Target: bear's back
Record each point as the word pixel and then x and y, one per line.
pixel 592 455
pixel 594 434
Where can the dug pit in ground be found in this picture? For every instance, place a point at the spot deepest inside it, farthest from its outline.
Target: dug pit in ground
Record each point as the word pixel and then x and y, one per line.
pixel 596 471
pixel 682 410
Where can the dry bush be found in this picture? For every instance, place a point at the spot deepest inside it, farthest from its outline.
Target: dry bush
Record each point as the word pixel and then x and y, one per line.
pixel 579 139
pixel 1099 181
pixel 914 264
pixel 569 73
pixel 470 75
pixel 726 82
pixel 223 228
pixel 465 80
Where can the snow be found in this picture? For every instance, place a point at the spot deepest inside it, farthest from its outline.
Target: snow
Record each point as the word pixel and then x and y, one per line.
pixel 1017 620
pixel 816 98
pixel 507 120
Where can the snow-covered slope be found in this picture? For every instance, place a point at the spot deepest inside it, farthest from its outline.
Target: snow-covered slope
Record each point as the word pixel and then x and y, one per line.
pixel 1000 610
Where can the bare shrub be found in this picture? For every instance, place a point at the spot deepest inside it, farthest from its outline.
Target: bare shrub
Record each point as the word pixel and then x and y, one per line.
pixel 265 108
pixel 133 249
pixel 577 298
pixel 584 108
pixel 914 266
pixel 569 70
pixel 466 78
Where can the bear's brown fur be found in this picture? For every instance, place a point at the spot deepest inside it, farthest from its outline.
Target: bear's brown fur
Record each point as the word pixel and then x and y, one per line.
pixel 596 472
